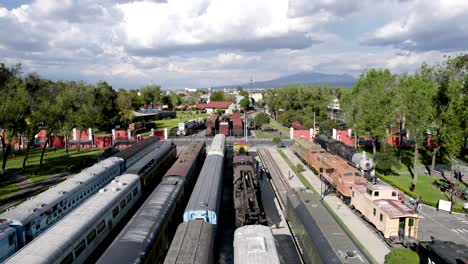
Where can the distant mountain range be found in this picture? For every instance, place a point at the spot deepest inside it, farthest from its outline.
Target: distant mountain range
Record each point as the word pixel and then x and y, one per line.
pixel 308 78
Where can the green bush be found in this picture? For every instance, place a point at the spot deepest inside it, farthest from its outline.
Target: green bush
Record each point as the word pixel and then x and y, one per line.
pixel 402 255
pixel 300 167
pixel 276 140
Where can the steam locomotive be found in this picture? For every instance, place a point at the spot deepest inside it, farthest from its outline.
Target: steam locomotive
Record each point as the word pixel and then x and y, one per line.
pixel 352 155
pixel 247 196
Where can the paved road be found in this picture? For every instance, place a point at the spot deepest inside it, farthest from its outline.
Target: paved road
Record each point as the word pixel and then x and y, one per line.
pixel 443 226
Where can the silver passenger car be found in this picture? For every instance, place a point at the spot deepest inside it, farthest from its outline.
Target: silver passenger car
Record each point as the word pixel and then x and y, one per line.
pixel 75 237
pixel 255 244
pixel 38 213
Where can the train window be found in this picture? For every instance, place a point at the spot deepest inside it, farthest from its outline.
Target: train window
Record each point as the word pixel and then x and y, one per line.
pixel 376 193
pixel 101 226
pixel 394 194
pixel 352 194
pixel 11 239
pixel 369 192
pixel 381 217
pixel 122 204
pixel 115 212
pixel 411 222
pixel 135 191
pixel 80 248
pixel 68 259
pixel 38 226
pixel 91 236
pixel 348 174
pixel 375 211
pixel 357 174
pixel 129 197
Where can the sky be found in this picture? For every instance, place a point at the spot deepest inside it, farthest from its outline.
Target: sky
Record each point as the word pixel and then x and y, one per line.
pixel 203 43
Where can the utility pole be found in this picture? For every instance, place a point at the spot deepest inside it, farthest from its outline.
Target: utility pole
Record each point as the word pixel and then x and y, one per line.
pixel 314 126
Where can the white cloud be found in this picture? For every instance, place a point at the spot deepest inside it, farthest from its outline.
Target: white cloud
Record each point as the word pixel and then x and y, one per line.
pixel 213 42
pixel 428 25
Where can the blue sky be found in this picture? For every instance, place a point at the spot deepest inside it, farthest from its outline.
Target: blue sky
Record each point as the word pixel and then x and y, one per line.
pixel 202 43
pixel 13 3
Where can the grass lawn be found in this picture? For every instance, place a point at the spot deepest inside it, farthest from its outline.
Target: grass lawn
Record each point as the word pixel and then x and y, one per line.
pixel 273 124
pixel 7 188
pixel 54 162
pixel 429 194
pixel 171 123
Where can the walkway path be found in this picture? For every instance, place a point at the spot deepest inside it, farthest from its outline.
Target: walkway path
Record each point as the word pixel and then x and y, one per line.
pixel 373 244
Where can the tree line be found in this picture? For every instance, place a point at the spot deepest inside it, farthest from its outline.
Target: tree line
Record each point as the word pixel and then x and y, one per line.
pixel 30 103
pixel 432 100
pixel 297 102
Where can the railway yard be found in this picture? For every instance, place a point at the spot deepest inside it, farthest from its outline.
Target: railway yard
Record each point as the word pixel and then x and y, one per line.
pixel 208 200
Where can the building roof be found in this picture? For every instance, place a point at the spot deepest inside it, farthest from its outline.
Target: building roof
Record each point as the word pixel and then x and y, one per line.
pixel 395 208
pixel 215 104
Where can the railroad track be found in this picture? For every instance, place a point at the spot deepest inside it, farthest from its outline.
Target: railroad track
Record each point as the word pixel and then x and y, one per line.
pixel 279 185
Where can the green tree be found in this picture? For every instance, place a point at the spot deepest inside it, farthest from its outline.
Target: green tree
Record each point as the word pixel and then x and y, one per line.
pixel 105 100
pixel 241 91
pixel 124 107
pixel 372 107
pixel 245 103
pixel 414 97
pixel 217 96
pixel 13 108
pixel 261 119
pixel 167 100
pixel 151 94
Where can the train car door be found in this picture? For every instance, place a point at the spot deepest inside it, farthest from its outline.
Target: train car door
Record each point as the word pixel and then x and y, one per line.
pixel 401 229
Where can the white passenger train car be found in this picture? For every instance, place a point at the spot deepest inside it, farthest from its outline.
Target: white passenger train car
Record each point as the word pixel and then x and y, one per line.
pixel 255 244
pixel 38 213
pixel 75 237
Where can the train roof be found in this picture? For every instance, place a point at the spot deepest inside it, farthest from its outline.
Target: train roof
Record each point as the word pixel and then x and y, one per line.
pixel 130 151
pixel 254 244
pixel 44 201
pixel 207 188
pixel 185 160
pixel 5 230
pixel 362 186
pixel 158 153
pixel 331 240
pixel 192 243
pixel 395 208
pixel 449 251
pixel 48 247
pixel 133 244
pixel 217 146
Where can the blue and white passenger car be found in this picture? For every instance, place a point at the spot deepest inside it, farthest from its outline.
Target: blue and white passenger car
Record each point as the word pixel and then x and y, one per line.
pixel 206 196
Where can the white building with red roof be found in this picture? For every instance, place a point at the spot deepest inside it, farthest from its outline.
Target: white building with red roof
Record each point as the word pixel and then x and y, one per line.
pixel 213 106
pixel 379 204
